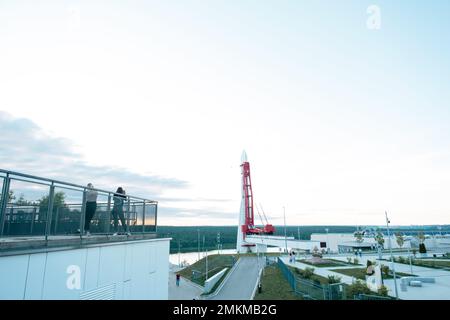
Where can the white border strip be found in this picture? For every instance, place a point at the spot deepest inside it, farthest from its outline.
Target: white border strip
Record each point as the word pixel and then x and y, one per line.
pixel 257 282
pixel 215 293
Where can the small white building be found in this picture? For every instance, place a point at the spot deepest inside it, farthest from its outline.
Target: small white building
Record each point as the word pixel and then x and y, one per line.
pixel 346 242
pixel 262 242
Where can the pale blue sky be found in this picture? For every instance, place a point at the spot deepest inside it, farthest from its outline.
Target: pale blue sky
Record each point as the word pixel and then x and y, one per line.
pixel 339 122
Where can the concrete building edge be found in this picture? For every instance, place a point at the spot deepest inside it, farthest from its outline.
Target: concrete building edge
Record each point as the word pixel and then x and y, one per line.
pixel 258 280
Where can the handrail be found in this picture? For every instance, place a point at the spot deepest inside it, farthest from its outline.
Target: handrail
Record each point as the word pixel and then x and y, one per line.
pixel 14 173
pixel 68 204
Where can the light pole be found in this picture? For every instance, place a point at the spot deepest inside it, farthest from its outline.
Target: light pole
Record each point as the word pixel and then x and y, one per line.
pixel 409 254
pixel 198 243
pixel 285 237
pixel 206 259
pixel 179 261
pixel 328 246
pixel 218 242
pixel 392 257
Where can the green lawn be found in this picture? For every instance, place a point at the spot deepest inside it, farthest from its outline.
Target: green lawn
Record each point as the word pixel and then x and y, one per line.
pixel 426 262
pixel 314 277
pixel 345 263
pixel 215 264
pixel 360 273
pixel 275 286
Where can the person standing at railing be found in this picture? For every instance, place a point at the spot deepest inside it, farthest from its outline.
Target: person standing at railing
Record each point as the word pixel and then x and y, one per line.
pixel 91 207
pixel 117 211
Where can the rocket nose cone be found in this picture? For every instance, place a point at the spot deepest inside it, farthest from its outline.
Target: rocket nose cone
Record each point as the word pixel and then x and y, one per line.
pixel 244 157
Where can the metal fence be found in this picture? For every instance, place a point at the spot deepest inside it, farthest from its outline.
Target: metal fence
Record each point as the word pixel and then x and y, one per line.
pixel 35 206
pixel 371 297
pixel 311 290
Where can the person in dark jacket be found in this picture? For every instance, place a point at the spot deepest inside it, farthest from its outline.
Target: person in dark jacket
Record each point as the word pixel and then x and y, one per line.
pixel 117 211
pixel 178 279
pixel 91 207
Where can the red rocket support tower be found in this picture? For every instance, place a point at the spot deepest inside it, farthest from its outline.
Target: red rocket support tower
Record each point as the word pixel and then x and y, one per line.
pixel 249 222
pixel 248 227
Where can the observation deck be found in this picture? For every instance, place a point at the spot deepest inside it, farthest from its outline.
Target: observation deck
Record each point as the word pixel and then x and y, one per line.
pixel 40 214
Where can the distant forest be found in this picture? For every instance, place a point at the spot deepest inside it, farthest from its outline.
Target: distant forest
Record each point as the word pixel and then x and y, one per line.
pixel 186 238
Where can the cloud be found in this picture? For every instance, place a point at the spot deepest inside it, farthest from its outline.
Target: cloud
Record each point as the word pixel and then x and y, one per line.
pixel 176 199
pixel 168 215
pixel 27 148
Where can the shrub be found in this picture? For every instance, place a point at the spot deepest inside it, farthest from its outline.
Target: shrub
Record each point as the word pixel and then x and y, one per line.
pixel 308 273
pixel 401 260
pixel 349 259
pixel 385 270
pixel 355 261
pixel 422 248
pixel 369 263
pixel 334 279
pixel 356 288
pixel 383 291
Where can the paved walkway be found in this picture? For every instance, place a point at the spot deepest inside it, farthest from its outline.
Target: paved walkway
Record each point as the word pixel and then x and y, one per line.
pixel 429 291
pixel 324 272
pixel 436 291
pixel 186 291
pixel 242 281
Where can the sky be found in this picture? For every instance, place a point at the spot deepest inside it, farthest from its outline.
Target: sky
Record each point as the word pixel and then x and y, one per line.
pixel 340 120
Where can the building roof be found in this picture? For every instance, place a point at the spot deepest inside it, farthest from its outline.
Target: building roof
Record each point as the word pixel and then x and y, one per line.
pixel 356 244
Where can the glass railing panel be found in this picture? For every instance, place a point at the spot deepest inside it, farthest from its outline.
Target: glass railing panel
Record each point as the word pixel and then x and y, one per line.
pixel 66 213
pixel 2 181
pixel 150 217
pixel 26 211
pixel 101 222
pixel 137 217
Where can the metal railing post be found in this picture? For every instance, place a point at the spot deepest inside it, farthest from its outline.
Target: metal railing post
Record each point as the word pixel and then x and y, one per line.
pixel 4 202
pixel 128 214
pixel 56 219
pixel 83 214
pixel 143 217
pixel 156 215
pixel 51 197
pixel 134 214
pixel 33 217
pixel 108 210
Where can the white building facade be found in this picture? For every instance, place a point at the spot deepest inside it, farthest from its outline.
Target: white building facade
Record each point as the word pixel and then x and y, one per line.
pixel 110 271
pixel 333 242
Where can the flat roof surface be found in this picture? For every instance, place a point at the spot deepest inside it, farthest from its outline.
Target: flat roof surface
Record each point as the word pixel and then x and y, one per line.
pixel 356 244
pixel 36 244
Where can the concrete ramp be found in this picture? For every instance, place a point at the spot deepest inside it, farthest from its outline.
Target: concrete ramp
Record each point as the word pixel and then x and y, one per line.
pixel 242 281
